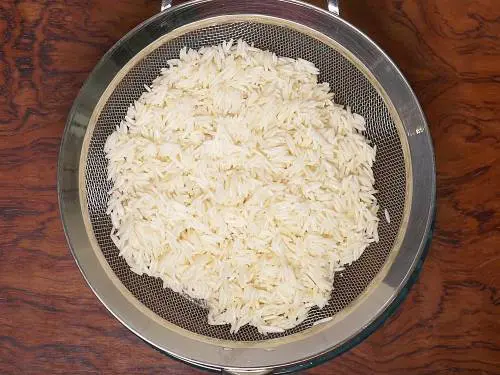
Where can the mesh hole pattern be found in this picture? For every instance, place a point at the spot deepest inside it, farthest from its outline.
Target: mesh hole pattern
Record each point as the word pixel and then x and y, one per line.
pixel 351 87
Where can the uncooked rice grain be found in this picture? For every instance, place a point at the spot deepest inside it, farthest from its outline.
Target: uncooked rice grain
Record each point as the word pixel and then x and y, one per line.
pixel 238 181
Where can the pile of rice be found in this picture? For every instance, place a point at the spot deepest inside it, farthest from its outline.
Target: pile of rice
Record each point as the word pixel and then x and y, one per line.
pixel 238 181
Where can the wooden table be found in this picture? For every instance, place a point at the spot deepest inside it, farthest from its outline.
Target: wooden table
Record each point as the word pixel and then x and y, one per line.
pixel 50 321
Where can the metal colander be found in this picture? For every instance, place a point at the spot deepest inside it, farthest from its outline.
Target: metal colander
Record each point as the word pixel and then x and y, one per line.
pixel 359 74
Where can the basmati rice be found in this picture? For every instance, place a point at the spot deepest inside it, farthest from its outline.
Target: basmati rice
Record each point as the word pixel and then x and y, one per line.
pixel 323 321
pixel 238 181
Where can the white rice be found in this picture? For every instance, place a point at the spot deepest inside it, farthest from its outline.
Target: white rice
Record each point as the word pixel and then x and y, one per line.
pixel 237 180
pixel 323 321
pixel 387 217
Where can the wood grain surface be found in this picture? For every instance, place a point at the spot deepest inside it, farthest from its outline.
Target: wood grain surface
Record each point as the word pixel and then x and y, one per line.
pixel 51 322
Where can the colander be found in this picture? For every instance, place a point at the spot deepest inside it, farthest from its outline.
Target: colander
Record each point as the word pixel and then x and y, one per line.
pixel 361 75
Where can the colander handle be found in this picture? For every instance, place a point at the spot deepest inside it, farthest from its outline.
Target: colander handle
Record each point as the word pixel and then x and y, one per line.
pixel 165 4
pixel 332 5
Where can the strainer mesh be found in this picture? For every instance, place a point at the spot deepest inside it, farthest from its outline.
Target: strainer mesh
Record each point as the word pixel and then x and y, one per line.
pixel 350 86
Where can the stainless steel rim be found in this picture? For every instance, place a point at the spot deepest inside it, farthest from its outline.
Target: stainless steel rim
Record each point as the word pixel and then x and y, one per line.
pixel 328 339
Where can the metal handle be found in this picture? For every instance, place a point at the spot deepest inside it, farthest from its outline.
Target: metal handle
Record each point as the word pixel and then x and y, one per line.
pixel 165 4
pixel 333 6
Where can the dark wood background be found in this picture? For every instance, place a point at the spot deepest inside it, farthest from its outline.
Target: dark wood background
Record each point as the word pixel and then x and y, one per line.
pixel 50 322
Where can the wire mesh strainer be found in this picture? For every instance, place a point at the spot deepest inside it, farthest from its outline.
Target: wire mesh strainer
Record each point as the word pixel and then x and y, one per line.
pixel 362 77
